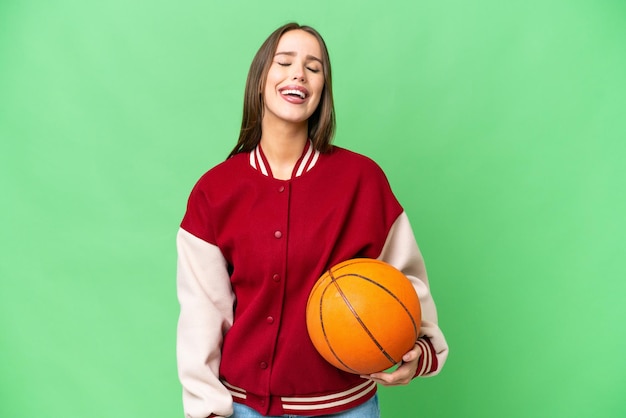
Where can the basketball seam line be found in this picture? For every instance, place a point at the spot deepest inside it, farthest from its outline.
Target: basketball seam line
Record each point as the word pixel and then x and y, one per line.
pixel 358 318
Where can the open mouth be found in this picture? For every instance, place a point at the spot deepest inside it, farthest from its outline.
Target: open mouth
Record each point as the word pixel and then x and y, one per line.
pixel 293 93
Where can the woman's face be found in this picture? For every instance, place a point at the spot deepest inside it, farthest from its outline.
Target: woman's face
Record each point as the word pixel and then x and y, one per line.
pixel 295 79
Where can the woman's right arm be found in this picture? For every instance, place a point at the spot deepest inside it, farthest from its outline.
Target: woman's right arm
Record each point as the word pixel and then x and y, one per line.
pixel 206 313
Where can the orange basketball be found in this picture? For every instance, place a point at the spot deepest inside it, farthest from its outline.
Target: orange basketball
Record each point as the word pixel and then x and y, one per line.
pixel 363 315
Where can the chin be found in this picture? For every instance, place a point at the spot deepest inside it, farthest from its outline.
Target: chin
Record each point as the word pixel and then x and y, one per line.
pixel 295 119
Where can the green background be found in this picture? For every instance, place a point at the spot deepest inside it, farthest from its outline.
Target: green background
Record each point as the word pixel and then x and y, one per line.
pixel 500 125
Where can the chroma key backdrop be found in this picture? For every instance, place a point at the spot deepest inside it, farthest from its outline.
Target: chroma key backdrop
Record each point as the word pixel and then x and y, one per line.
pixel 500 125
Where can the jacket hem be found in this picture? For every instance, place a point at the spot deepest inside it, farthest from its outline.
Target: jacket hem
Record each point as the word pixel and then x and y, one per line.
pixel 310 405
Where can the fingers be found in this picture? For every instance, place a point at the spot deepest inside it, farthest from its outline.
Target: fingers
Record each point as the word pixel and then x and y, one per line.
pixel 403 374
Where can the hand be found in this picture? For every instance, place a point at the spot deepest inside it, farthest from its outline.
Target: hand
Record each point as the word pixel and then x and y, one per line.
pixel 403 374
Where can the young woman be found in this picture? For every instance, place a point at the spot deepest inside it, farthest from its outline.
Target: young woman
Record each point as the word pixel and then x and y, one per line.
pixel 262 227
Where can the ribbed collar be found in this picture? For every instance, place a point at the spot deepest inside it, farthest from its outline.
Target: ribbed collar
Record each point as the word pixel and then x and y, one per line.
pixel 305 163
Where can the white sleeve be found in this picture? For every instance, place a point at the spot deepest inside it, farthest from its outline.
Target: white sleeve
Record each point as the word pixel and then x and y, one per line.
pixel 401 251
pixel 206 313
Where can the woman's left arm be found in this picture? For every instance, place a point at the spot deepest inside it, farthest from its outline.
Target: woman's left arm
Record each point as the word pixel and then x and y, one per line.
pixel 431 349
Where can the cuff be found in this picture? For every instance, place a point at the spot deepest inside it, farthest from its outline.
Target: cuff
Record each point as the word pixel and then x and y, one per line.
pixel 427 362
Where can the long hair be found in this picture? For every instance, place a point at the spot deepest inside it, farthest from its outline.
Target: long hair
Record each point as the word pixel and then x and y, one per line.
pixel 321 123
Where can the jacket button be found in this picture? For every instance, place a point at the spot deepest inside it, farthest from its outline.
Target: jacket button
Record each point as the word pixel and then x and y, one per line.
pixel 278 234
pixel 281 189
pixel 276 278
pixel 263 365
pixel 270 319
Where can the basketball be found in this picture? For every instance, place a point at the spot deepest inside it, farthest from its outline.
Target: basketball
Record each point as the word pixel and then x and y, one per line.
pixel 363 315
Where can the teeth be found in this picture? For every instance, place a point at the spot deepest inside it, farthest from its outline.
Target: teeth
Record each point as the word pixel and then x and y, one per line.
pixel 296 92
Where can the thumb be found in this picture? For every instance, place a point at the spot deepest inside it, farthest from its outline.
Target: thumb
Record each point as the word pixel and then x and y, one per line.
pixel 413 354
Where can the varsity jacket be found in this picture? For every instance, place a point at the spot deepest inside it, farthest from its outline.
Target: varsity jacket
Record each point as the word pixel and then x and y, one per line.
pixel 250 248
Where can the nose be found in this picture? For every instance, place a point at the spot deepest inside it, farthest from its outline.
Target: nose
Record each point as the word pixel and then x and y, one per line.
pixel 298 74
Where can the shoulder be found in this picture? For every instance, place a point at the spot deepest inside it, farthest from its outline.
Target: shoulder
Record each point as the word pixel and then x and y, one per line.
pixel 213 188
pixel 353 159
pixel 224 172
pixel 364 181
pixel 344 160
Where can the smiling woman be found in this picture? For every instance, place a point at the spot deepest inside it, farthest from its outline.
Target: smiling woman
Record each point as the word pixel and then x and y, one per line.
pixel 262 227
pixel 321 123
pixel 292 92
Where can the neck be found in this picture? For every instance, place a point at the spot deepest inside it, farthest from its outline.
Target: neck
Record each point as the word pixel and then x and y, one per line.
pixel 283 146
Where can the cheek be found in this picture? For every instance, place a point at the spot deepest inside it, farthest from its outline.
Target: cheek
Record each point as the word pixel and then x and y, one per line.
pixel 320 84
pixel 318 99
pixel 270 85
pixel 272 78
pixel 319 91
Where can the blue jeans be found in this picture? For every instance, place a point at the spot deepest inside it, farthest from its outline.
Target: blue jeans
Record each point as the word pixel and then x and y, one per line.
pixel 368 409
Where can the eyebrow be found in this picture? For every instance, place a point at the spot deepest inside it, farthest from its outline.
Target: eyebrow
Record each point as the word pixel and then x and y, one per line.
pixel 293 54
